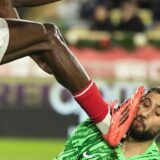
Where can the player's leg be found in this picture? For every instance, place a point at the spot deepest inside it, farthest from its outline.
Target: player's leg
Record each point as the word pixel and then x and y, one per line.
pixel 17 35
pixel 69 72
pixel 7 11
pixel 65 66
pixel 24 33
pixel 37 52
pixel 31 3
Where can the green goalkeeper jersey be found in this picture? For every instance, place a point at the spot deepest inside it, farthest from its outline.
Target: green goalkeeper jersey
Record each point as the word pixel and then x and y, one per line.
pixel 87 143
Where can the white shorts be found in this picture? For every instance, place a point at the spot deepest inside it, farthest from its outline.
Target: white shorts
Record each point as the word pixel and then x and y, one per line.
pixel 4 37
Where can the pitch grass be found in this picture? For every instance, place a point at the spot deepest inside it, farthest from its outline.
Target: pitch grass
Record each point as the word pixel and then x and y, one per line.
pixel 30 149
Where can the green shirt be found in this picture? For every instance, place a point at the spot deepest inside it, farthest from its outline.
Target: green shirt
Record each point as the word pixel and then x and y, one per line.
pixel 87 143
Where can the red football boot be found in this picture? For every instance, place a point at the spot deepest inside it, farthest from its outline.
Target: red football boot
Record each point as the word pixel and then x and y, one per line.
pixel 122 118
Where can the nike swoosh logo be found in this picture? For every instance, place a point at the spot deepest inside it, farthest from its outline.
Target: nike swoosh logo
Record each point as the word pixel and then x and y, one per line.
pixel 87 156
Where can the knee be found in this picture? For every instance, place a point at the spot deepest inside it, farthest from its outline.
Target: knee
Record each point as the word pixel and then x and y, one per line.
pixel 53 31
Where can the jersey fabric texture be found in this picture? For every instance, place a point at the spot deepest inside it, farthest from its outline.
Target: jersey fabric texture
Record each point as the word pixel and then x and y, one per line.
pixel 87 143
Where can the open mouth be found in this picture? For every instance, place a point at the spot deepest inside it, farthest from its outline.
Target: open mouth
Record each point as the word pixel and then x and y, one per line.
pixel 138 122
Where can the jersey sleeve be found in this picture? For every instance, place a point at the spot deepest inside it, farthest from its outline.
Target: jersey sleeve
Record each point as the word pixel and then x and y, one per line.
pixel 85 132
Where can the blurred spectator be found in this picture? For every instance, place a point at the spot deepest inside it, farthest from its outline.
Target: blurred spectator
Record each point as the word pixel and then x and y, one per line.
pixel 156 11
pixel 69 9
pixel 88 7
pixel 101 19
pixel 115 3
pixel 144 3
pixel 130 20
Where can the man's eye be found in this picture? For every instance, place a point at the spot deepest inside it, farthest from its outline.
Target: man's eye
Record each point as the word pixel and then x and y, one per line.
pixel 158 111
pixel 145 104
pixel 158 114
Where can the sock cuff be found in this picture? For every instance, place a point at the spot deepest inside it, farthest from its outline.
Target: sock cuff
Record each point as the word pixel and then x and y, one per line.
pixel 92 102
pixel 83 91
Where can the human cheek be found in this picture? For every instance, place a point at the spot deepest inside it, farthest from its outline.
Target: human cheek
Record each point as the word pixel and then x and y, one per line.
pixel 151 123
pixel 140 109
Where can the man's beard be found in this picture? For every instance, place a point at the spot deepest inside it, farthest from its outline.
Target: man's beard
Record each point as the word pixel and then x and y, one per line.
pixel 143 135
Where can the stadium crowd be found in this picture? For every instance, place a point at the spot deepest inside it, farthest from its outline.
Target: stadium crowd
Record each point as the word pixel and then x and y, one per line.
pixel 78 19
pixel 129 15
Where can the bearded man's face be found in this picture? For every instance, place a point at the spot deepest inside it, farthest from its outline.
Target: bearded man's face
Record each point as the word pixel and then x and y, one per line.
pixel 147 122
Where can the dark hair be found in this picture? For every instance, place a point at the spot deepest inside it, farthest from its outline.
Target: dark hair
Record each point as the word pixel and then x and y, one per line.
pixel 150 90
pixel 132 2
pixel 154 89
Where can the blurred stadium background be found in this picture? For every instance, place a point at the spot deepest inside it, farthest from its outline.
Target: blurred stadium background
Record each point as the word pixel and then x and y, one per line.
pixel 37 114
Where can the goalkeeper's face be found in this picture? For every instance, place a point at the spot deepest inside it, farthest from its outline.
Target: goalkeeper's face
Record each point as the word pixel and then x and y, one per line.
pixel 147 122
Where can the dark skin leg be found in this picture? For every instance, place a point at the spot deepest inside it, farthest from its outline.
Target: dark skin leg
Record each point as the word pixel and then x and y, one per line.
pixel 66 68
pixel 7 11
pixel 19 37
pixel 37 52
pixel 68 71
pixel 25 3
pixel 56 54
pixel 64 65
pixel 23 34
pixel 30 3
pixel 17 31
pixel 53 52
